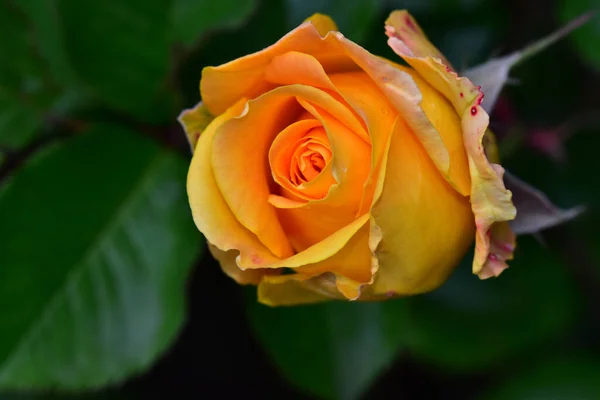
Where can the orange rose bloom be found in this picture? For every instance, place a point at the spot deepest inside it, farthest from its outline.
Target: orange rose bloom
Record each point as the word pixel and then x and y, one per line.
pixel 321 171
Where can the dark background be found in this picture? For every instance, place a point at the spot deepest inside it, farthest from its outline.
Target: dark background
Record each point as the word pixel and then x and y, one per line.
pixel 532 334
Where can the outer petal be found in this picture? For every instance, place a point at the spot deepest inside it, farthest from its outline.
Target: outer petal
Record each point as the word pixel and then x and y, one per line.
pixel 323 23
pixel 324 249
pixel 420 106
pixel 422 226
pixel 313 282
pixel 353 266
pixel 291 290
pixel 211 213
pixel 227 260
pixel 346 251
pixel 413 37
pixel 221 86
pixel 490 200
pixel 194 121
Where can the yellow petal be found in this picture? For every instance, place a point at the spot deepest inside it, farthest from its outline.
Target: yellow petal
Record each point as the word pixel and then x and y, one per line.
pixel 323 23
pixel 490 147
pixel 194 121
pixel 212 215
pixel 422 226
pixel 502 246
pixel 422 110
pixel 354 268
pixel 324 249
pixel 291 290
pixel 227 260
pixel 490 200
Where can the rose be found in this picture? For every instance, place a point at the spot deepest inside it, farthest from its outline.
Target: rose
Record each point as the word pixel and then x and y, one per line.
pixel 328 172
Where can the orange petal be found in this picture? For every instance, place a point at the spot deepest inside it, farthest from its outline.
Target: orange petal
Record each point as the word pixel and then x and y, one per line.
pixel 222 86
pixel 316 220
pixel 212 215
pixel 368 101
pixel 239 154
pixel 238 148
pixel 294 67
pixel 490 200
pixel 298 68
pixel 356 89
pixel 281 158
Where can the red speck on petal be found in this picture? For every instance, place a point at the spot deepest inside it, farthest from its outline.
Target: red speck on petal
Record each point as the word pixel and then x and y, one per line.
pixel 448 69
pixel 256 259
pixel 481 96
pixel 462 94
pixel 488 233
pixel 493 257
pixel 473 110
pixel 507 247
pixel 409 23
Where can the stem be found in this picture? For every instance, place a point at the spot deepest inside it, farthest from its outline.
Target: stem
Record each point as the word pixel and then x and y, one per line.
pixel 543 43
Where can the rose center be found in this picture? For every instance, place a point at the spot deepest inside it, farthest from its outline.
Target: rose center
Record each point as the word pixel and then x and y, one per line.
pixel 299 159
pixel 310 157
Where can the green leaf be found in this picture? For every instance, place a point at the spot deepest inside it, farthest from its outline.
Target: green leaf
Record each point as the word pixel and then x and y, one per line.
pixel 48 38
pixel 332 350
pixel 469 324
pixel 121 50
pixel 102 395
pixel 355 18
pixel 18 121
pixel 586 39
pixel 574 379
pixel 193 18
pixel 96 245
pixel 20 83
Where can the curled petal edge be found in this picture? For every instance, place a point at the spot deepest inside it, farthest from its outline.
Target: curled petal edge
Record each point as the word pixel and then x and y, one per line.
pixel 194 120
pixel 323 23
pixel 491 202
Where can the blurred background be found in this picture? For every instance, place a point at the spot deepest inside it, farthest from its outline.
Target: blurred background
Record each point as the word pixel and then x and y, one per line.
pixel 108 292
